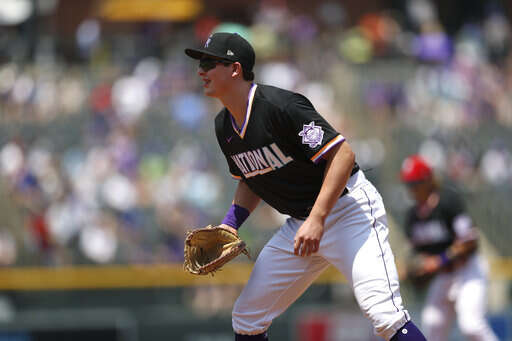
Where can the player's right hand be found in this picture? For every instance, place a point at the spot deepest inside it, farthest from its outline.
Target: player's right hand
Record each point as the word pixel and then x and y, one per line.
pixel 308 236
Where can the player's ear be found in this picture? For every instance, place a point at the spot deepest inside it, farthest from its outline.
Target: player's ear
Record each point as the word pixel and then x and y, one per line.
pixel 237 69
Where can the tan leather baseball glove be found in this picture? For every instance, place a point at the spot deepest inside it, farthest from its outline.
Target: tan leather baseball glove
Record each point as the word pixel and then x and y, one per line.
pixel 207 249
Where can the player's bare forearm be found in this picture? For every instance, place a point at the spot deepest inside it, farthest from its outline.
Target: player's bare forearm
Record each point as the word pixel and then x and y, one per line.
pixel 340 161
pixel 455 256
pixel 245 197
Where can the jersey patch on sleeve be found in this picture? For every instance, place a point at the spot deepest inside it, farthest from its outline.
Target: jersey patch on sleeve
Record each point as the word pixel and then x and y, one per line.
pixel 312 135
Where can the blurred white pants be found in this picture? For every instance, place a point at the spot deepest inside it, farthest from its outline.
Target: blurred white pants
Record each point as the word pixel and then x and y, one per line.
pixel 355 241
pixel 461 294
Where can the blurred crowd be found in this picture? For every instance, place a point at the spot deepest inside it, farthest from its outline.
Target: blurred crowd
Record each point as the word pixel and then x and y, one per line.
pixel 110 159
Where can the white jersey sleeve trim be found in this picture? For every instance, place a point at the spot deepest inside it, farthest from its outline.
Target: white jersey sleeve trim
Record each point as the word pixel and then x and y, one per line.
pixel 327 147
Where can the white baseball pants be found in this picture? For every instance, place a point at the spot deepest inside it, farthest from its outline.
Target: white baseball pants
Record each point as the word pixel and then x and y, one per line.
pixel 355 241
pixel 461 294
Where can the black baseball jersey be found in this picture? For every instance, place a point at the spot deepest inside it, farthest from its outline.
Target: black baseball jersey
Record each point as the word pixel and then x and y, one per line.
pixel 434 233
pixel 278 150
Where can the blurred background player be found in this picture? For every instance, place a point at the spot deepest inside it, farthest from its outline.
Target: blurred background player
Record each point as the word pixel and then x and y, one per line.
pixel 445 243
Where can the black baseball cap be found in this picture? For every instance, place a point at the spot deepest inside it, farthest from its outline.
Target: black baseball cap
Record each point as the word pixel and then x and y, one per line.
pixel 228 46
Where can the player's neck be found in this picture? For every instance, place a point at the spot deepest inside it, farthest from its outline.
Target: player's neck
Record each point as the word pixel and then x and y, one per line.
pixel 236 101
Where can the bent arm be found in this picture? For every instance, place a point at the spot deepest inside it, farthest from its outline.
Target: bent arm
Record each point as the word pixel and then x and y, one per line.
pixel 246 199
pixel 455 256
pixel 340 160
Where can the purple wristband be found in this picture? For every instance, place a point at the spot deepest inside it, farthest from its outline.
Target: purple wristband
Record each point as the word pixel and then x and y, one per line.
pixel 236 216
pixel 445 260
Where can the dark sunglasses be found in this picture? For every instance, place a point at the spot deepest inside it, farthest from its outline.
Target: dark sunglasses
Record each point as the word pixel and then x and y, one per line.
pixel 206 64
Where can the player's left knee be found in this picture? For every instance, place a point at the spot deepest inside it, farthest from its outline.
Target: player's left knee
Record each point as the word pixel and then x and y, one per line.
pixel 248 322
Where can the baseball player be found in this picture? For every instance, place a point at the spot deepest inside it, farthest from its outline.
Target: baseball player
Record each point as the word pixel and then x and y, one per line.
pixel 283 152
pixel 443 236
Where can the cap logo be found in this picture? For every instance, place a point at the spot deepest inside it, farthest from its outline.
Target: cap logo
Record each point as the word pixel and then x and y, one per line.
pixel 208 41
pixel 230 53
pixel 312 135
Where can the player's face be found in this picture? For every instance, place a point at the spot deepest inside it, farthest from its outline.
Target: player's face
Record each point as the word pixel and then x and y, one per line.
pixel 215 74
pixel 420 191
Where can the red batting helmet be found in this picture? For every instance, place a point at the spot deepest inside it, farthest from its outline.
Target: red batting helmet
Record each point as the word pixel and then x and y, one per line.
pixel 415 169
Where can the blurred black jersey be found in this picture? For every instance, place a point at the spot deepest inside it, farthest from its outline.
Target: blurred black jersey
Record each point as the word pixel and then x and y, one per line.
pixel 434 233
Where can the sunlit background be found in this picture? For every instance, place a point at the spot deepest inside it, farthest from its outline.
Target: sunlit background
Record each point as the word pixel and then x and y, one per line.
pixel 108 154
